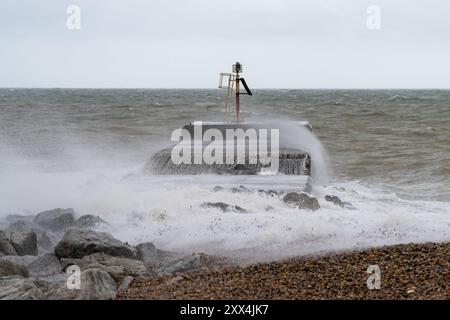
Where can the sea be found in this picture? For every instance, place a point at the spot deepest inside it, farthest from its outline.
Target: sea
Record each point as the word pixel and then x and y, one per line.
pixel 386 152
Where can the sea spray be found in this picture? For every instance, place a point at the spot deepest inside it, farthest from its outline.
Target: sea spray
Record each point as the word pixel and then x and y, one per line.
pixel 295 135
pixel 168 211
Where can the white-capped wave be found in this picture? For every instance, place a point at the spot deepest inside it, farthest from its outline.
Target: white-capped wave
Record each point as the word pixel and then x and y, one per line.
pixel 169 213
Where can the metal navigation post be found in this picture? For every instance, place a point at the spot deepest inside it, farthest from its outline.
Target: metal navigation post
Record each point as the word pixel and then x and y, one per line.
pixel 233 78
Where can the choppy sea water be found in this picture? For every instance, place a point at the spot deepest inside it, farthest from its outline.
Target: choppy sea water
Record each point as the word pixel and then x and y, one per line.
pixel 387 152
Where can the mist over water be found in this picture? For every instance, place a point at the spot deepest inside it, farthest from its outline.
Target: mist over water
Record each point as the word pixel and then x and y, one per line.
pixel 386 152
pixel 299 137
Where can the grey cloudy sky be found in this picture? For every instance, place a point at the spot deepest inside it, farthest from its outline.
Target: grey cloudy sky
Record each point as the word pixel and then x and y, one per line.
pixel 186 43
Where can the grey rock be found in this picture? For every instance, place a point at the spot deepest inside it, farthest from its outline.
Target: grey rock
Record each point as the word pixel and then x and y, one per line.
pixel 20 226
pixel 46 239
pixel 301 201
pixel 9 268
pixel 25 243
pixel 57 278
pixel 147 253
pixel 78 243
pixel 269 193
pixel 218 189
pixel 240 189
pixel 224 207
pixel 95 284
pixel 90 222
pixel 51 282
pixel 5 245
pixel 45 265
pixel 19 288
pixel 335 200
pixel 55 220
pixel 184 264
pixel 167 256
pixel 117 267
pixel 218 205
pixel 22 260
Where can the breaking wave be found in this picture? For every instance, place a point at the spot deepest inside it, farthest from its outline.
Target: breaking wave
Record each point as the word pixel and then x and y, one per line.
pixel 168 211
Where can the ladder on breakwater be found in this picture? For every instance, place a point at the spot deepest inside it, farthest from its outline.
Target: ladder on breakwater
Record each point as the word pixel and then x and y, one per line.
pixel 233 79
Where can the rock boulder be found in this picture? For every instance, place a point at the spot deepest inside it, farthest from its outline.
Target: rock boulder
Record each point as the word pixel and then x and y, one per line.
pixel 224 207
pixel 147 253
pixel 55 220
pixel 301 201
pixel 9 268
pixel 335 200
pixel 46 239
pixel 95 284
pixel 25 243
pixel 19 288
pixel 45 265
pixel 5 245
pixel 117 267
pixel 90 222
pixel 78 243
pixel 22 260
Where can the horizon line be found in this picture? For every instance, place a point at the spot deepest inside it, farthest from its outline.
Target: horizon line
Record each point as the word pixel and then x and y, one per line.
pixel 200 88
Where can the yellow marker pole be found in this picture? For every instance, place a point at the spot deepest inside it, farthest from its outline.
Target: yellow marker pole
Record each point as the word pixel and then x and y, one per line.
pixel 237 97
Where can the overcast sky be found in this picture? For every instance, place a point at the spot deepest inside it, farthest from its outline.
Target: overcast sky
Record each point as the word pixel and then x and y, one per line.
pixel 186 43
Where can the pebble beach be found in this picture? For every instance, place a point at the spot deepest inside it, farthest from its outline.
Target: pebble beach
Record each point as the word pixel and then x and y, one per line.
pixel 408 271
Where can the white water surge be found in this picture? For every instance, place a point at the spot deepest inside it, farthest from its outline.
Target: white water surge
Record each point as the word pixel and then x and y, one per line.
pixel 167 211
